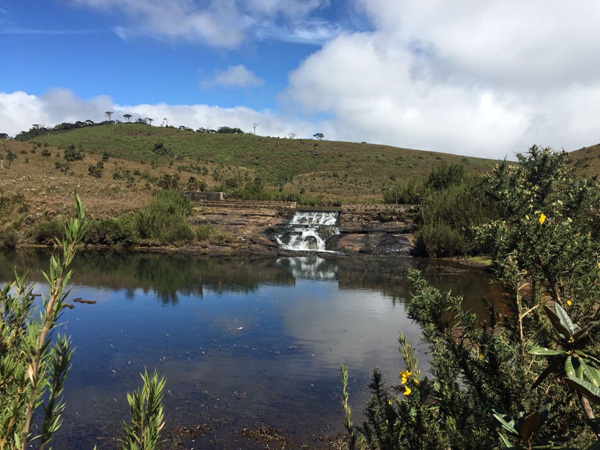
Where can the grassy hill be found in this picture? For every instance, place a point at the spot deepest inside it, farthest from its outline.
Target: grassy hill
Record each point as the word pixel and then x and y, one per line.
pixel 334 171
pixel 586 160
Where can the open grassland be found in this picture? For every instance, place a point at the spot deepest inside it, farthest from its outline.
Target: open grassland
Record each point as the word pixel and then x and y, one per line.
pixel 333 171
pixel 124 186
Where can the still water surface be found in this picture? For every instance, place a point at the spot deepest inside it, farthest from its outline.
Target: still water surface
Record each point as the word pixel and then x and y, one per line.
pixel 241 342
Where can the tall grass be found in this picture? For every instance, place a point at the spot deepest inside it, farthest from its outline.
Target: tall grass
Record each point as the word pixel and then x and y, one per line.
pixel 165 219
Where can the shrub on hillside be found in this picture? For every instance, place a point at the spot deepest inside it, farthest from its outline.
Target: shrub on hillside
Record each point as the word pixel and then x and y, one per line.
pixel 47 231
pixel 96 171
pixel 9 238
pixel 120 232
pixel 169 181
pixel 73 154
pixel 62 167
pixel 165 218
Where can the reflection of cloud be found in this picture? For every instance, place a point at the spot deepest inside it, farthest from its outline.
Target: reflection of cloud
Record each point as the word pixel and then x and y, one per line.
pixel 347 326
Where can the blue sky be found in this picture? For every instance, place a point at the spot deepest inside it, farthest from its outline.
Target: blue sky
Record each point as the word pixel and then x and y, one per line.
pixel 51 43
pixel 482 78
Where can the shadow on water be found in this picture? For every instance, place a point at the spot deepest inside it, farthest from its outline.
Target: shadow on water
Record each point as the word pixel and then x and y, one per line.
pixel 241 341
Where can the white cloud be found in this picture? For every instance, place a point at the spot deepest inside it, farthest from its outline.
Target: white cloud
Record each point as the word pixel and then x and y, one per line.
pixel 19 110
pixel 482 78
pixel 235 76
pixel 219 23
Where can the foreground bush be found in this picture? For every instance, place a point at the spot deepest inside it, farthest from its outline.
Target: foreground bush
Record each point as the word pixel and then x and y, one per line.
pixel 523 377
pixel 34 365
pixel 165 218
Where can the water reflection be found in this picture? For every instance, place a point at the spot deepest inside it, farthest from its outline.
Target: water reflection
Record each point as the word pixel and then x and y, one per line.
pixel 241 340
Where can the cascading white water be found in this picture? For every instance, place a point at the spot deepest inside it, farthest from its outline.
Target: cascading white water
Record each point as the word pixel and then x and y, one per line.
pixel 309 231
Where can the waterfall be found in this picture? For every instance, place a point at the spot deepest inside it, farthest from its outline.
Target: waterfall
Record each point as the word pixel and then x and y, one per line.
pixel 309 231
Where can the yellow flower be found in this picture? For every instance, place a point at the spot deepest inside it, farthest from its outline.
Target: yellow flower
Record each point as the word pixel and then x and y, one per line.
pixel 407 391
pixel 542 218
pixel 389 402
pixel 527 216
pixel 404 374
pixel 569 302
pixel 416 381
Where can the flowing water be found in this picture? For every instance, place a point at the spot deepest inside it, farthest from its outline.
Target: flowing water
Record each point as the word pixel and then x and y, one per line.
pixel 309 231
pixel 241 342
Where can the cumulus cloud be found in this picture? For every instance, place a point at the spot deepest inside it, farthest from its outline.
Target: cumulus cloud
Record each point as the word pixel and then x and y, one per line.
pixel 19 110
pixel 219 23
pixel 235 76
pixel 482 78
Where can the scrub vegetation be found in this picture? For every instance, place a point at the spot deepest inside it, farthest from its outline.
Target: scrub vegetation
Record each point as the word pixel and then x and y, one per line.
pixel 528 374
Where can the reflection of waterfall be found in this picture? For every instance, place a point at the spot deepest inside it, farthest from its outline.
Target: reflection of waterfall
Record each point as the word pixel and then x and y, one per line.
pixel 310 267
pixel 309 231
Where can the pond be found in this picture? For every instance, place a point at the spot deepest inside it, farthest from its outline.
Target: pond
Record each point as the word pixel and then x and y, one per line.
pixel 243 343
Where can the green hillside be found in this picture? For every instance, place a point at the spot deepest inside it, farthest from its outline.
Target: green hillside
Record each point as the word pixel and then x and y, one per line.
pixel 337 170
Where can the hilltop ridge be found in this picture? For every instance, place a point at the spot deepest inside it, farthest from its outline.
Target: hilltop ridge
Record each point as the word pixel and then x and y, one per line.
pixel 338 171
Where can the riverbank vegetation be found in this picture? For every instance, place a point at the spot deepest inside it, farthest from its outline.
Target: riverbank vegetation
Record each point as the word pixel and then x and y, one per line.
pixel 528 374
pixel 452 203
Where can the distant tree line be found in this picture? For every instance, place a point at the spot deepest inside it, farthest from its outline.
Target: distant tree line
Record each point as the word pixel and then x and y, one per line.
pixel 40 130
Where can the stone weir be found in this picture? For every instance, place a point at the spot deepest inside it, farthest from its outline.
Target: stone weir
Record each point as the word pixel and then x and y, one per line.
pixel 261 226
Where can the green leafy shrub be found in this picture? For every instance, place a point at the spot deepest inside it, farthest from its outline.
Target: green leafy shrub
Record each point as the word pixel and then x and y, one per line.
pixel 440 240
pixel 96 171
pixel 47 231
pixel 165 218
pixel 169 181
pixel 62 167
pixel 120 232
pixel 73 154
pixel 410 193
pixel 9 238
pixel 449 218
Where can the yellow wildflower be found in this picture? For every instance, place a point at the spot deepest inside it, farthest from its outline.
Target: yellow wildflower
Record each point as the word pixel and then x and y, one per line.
pixel 407 391
pixel 527 216
pixel 542 218
pixel 569 302
pixel 404 374
pixel 389 402
pixel 416 381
